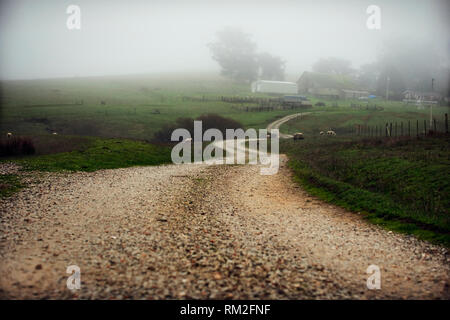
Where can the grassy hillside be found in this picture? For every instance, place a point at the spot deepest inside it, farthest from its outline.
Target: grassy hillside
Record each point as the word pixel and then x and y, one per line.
pixel 403 184
pixel 135 106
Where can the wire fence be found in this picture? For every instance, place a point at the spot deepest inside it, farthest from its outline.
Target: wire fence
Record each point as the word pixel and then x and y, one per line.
pixel 402 129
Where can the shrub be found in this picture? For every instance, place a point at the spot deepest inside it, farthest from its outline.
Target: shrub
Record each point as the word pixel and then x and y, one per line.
pixel 320 104
pixel 208 121
pixel 16 146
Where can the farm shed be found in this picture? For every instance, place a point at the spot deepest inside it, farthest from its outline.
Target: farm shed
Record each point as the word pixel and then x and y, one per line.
pixel 281 87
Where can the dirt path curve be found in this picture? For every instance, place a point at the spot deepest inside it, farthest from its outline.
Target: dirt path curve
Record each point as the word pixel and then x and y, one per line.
pixel 277 123
pixel 196 231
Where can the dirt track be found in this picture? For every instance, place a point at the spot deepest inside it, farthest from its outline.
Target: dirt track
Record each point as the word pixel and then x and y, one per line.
pixel 277 123
pixel 196 231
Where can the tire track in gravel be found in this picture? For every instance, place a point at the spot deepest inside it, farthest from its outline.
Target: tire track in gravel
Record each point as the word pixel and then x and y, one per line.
pixel 316 250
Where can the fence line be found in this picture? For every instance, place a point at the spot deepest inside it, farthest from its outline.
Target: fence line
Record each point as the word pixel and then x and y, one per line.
pixel 395 129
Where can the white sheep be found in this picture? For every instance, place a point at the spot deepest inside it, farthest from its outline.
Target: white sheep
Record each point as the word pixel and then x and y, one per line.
pixel 55 133
pixel 331 133
pixel 9 135
pixel 299 136
pixel 322 133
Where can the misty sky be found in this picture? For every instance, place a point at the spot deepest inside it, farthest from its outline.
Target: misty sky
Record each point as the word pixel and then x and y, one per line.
pixel 126 37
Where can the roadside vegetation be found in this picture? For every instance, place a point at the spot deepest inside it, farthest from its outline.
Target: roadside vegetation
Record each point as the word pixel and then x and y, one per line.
pixel 82 154
pixel 209 121
pixel 95 154
pixel 9 183
pixel 400 183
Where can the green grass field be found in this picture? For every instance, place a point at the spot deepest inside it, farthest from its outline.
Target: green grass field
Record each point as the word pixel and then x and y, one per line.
pixel 135 106
pixel 99 154
pixel 345 120
pixel 138 106
pixel 400 183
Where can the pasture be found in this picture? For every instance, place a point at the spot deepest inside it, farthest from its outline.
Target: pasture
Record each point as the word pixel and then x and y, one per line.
pixel 345 120
pixel 133 107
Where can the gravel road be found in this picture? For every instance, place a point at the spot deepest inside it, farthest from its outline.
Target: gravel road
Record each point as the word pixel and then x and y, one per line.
pixel 202 232
pixel 277 123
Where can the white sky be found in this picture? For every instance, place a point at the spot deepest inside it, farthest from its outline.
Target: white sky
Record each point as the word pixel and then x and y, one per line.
pixel 126 37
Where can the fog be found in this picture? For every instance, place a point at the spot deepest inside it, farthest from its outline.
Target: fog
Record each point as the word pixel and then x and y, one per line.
pixel 127 37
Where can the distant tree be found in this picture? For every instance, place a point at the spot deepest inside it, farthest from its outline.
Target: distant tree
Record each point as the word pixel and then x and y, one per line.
pixel 368 76
pixel 236 54
pixel 333 66
pixel 417 62
pixel 409 64
pixel 272 67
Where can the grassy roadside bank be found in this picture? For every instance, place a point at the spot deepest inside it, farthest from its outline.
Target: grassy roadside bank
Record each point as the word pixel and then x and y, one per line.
pixel 100 154
pixel 88 154
pixel 402 184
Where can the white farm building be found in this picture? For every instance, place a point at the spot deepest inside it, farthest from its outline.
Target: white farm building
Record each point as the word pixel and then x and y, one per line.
pixel 267 86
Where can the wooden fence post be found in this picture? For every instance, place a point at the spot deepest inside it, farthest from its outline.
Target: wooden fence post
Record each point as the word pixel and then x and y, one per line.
pixel 409 128
pixel 401 128
pixel 387 129
pixel 390 130
pixel 434 124
pixel 417 128
pixel 425 127
pixel 395 128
